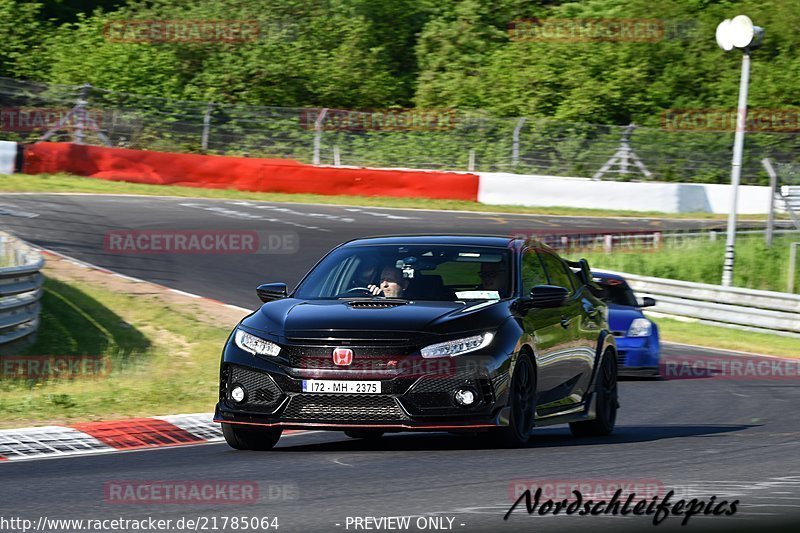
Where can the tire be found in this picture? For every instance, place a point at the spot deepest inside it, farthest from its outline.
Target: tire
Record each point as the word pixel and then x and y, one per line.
pixel 523 406
pixel 243 437
pixel 368 434
pixel 607 402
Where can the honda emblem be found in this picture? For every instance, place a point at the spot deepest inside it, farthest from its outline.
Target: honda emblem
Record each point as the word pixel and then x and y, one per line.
pixel 342 356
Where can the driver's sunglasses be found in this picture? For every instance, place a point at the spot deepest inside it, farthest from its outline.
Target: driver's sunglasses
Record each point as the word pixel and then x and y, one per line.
pixel 490 273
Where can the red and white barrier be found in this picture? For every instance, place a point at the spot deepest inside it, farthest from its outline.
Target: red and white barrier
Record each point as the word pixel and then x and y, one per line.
pixel 243 173
pixel 288 176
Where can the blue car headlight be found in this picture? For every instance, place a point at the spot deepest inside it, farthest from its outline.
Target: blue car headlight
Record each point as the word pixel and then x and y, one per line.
pixel 457 347
pixel 640 327
pixel 255 345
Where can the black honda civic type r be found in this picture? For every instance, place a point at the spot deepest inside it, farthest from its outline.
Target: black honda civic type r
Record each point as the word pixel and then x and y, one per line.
pixel 492 336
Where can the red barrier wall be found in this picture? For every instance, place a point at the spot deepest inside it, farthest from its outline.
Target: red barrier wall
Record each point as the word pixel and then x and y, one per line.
pixel 246 174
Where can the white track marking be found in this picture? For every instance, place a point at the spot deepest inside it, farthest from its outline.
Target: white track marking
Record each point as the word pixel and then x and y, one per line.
pixel 289 211
pixel 242 215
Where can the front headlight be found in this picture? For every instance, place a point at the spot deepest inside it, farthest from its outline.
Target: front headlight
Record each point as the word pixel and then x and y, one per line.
pixel 457 347
pixel 640 327
pixel 255 345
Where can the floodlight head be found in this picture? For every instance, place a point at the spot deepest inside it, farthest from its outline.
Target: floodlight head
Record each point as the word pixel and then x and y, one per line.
pixel 739 33
pixel 724 39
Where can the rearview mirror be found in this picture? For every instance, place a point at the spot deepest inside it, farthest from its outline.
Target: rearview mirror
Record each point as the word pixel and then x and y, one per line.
pixel 272 291
pixel 648 302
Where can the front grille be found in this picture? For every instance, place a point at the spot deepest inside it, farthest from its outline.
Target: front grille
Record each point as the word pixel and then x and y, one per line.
pixel 343 408
pixel 262 392
pixel 618 333
pixel 364 357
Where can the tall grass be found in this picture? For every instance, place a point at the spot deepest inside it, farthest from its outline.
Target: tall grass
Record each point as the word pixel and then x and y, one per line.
pixel 700 260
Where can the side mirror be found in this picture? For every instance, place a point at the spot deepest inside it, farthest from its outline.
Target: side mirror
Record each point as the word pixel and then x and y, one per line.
pixel 548 296
pixel 543 296
pixel 648 302
pixel 272 291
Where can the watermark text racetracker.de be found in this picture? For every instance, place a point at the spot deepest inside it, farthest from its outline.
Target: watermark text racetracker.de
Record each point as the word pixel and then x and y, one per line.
pixel 26 119
pixel 756 120
pixel 623 497
pixel 181 31
pixel 197 492
pixel 378 119
pixel 571 30
pixel 146 523
pixel 737 368
pixel 200 242
pixel 54 367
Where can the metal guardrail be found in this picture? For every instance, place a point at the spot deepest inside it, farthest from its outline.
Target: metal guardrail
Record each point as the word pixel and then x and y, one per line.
pixel 764 311
pixel 20 290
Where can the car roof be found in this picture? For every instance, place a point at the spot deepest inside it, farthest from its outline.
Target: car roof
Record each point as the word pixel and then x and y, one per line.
pixel 462 240
pixel 606 275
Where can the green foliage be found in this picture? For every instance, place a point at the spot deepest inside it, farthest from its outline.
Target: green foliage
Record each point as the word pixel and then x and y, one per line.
pixel 367 54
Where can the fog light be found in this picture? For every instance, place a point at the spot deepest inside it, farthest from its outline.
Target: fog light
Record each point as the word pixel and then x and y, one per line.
pixel 237 394
pixel 464 397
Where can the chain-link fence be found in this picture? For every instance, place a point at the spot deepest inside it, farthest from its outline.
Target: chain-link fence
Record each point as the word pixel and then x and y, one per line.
pixel 426 139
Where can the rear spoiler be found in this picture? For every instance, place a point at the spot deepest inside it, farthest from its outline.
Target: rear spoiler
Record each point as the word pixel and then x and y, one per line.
pixel 584 273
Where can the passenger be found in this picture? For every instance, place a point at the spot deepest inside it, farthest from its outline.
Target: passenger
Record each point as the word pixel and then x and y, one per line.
pixel 392 284
pixel 494 277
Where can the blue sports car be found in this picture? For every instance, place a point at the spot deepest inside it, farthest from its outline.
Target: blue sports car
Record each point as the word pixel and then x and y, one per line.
pixel 638 347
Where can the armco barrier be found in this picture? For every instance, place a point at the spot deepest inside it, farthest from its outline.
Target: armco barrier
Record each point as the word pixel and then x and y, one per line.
pixel 247 174
pixel 768 311
pixel 20 290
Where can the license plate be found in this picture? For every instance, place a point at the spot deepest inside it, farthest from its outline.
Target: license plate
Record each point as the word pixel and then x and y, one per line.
pixel 342 387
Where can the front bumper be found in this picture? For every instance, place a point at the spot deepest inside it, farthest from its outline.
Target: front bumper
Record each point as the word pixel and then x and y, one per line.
pixel 410 400
pixel 637 356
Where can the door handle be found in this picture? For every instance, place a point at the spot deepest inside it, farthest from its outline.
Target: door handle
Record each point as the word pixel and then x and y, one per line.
pixel 564 322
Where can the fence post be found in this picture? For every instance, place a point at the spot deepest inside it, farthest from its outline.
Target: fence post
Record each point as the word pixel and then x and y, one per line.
pixel 792 266
pixel 773 186
pixel 608 243
pixel 80 112
pixel 206 127
pixel 337 160
pixel 471 162
pixel 515 146
pixel 318 134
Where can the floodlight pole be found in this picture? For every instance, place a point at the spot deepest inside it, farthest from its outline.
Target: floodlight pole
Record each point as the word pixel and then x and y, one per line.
pixel 736 169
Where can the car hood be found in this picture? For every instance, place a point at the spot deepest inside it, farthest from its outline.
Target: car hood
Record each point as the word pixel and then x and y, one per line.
pixel 621 316
pixel 291 316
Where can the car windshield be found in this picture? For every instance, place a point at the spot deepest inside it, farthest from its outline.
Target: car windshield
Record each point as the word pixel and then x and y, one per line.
pixel 617 292
pixel 411 272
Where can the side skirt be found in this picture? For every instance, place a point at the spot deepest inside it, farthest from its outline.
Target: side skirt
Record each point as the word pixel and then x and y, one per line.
pixel 576 414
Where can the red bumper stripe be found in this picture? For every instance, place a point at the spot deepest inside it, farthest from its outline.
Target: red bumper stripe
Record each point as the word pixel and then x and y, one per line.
pixel 138 433
pixel 365 426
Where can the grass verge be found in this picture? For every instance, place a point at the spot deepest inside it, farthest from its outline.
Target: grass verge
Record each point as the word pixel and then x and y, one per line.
pixel 159 359
pixel 727 339
pixel 52 183
pixel 700 260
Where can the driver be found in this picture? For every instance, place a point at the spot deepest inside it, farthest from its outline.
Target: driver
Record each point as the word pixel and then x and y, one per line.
pixel 392 283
